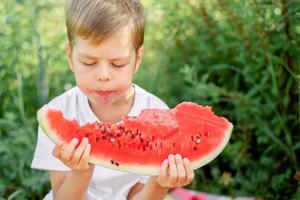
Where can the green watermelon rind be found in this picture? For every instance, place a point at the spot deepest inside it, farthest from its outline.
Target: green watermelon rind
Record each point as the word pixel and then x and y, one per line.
pixel 130 168
pixel 133 168
pixel 41 117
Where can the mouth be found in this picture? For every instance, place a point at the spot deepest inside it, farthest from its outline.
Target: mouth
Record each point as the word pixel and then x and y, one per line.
pixel 105 93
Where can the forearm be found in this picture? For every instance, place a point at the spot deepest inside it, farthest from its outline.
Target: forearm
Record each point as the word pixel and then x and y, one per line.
pixel 74 186
pixel 152 190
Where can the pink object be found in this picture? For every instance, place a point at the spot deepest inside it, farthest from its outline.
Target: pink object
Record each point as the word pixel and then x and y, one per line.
pixel 184 194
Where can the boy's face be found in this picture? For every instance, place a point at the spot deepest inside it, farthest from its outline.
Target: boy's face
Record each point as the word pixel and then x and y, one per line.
pixel 104 72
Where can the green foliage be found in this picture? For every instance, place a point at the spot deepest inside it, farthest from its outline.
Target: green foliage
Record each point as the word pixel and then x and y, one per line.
pixel 29 47
pixel 240 57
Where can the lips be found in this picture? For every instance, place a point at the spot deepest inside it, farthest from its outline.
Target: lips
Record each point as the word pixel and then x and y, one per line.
pixel 105 92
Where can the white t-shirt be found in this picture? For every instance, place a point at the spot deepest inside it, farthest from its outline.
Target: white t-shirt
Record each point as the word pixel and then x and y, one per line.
pixel 106 184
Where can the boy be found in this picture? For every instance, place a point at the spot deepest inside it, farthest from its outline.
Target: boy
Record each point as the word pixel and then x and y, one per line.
pixel 104 52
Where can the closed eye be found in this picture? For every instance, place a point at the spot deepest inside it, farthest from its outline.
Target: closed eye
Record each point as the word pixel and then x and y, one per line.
pixel 118 65
pixel 89 64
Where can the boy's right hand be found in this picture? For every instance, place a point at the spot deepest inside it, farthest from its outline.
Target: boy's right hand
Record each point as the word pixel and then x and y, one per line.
pixel 75 158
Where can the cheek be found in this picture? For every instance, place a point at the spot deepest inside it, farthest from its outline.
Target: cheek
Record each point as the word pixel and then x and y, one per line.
pixel 82 76
pixel 124 76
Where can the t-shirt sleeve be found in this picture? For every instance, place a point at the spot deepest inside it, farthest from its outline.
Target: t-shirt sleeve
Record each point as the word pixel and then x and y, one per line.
pixel 43 158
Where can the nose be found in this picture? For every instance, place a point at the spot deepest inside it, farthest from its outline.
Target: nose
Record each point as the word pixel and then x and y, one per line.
pixel 102 73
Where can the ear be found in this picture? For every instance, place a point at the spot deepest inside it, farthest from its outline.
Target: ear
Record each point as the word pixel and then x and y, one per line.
pixel 139 56
pixel 69 49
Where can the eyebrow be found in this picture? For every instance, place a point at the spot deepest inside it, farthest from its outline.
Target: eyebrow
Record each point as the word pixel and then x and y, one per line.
pixel 95 58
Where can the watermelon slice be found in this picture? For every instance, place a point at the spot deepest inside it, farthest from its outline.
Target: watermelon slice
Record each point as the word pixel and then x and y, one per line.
pixel 140 144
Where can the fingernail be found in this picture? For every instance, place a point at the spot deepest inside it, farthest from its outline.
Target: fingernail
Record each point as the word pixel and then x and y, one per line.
pixel 177 156
pixel 171 157
pixel 75 140
pixel 186 160
pixel 85 140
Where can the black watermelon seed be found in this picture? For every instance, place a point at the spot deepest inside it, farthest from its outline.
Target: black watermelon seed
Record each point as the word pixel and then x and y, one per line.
pixel 97 139
pixel 104 137
pixel 112 162
pixel 117 164
pixel 195 148
pixel 119 133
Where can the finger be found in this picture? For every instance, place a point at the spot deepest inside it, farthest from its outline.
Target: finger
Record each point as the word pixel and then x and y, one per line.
pixel 163 174
pixel 189 171
pixel 79 151
pixel 57 149
pixel 83 161
pixel 69 149
pixel 180 170
pixel 172 179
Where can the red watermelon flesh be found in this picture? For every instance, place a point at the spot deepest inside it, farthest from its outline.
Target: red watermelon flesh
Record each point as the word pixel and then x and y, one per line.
pixel 140 144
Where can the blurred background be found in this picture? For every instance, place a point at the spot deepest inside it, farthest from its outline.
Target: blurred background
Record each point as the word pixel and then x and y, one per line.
pixel 240 57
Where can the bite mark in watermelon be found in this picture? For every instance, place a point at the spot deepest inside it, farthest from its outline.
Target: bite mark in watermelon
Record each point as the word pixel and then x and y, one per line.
pixel 140 144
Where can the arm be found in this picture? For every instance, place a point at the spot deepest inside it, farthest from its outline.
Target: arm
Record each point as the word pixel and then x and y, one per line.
pixel 72 184
pixel 69 185
pixel 152 190
pixel 175 172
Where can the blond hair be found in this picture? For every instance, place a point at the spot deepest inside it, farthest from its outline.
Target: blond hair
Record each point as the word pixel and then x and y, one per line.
pixel 96 20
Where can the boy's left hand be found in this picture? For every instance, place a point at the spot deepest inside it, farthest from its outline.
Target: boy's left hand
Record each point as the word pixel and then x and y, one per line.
pixel 175 172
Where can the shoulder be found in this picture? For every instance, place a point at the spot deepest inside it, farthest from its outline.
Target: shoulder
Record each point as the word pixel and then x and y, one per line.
pixel 68 101
pixel 147 99
pixel 65 97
